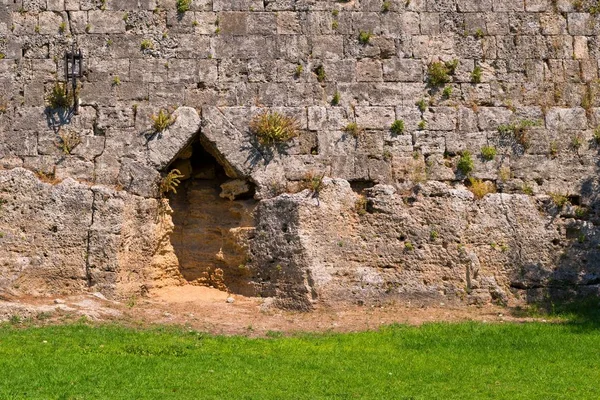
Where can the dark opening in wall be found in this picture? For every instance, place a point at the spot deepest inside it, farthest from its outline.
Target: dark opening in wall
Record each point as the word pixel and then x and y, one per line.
pixel 359 186
pixel 210 230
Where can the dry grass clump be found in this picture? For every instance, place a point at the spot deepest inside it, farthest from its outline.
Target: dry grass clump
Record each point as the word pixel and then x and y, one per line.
pixel 480 188
pixel 313 182
pixel 68 140
pixel 59 98
pixel 272 127
pixel 162 120
pixel 170 182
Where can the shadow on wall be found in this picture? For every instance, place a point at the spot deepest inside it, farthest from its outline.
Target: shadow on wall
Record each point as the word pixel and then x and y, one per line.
pixel 210 230
pixel 574 286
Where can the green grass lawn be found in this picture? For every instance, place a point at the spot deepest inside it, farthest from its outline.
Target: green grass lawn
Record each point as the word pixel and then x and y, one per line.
pixel 435 361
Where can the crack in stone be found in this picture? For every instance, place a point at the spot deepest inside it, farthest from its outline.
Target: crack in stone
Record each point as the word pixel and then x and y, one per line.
pixel 514 231
pixel 88 275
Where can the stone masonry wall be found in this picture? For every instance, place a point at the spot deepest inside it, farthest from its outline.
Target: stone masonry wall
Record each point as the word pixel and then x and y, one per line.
pixel 525 83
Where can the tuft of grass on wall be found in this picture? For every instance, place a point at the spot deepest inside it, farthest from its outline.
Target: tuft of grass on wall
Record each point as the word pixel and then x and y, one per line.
pixel 271 127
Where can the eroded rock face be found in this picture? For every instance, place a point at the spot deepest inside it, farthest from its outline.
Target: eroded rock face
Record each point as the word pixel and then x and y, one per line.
pixel 520 81
pixel 67 237
pixel 436 244
pixel 44 233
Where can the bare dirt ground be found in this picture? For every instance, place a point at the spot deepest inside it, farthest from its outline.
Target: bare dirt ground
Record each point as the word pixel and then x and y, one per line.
pixel 207 309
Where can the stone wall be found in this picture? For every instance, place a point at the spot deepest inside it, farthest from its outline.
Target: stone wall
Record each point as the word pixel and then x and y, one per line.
pixel 525 83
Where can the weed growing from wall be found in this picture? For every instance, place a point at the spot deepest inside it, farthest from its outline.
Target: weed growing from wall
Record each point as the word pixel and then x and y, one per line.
pixel 336 99
pixel 162 120
pixel 59 98
pixel 476 75
pixel 481 188
pixel 397 127
pixel 440 72
pixel 320 72
pixel 519 131
pixel 465 163
pixel 488 153
pixel 183 5
pixel 272 127
pixel 353 129
pixel 170 182
pixel 364 37
pixel 68 140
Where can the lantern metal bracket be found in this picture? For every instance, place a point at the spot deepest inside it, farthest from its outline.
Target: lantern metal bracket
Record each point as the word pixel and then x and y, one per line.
pixel 74 71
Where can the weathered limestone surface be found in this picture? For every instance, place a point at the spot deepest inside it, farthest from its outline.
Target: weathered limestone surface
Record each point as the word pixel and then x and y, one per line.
pixel 525 83
pixel 63 238
pixel 440 246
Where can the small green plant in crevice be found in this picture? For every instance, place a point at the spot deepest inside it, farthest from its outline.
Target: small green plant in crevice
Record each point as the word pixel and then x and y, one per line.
pixel 162 120
pixel 59 98
pixel 88 28
pixel 360 206
pixel 68 140
pixel 519 131
pixel 553 150
pixel 146 44
pixel 385 7
pixel 353 129
pixel 271 127
pixel 504 174
pixel 597 136
pixel 447 92
pixel 433 235
pixel 116 81
pixel 183 5
pixel 480 188
pixel 581 238
pixel 62 27
pixel 320 72
pixel 527 189
pixel 439 73
pixel 479 34
pixel 364 37
pixel 335 24
pixel 581 212
pixel 170 182
pixel 313 182
pixel 588 99
pixel 335 100
pixel 576 142
pixel 476 74
pixel 408 246
pixel 558 199
pixel 422 125
pixel 397 127
pixel 298 71
pixel 488 153
pixel 465 163
pixel 421 105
